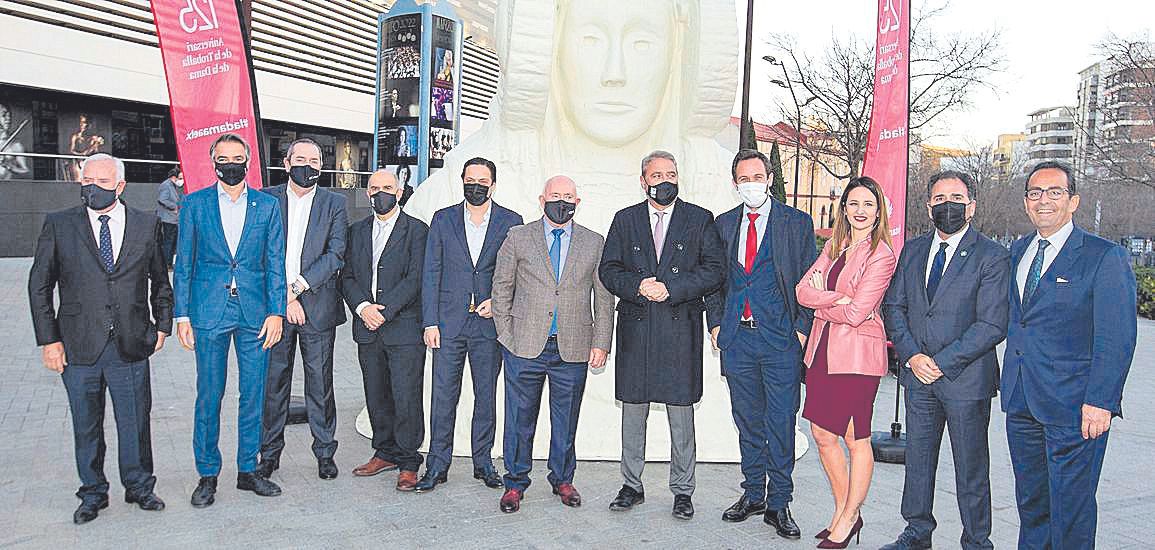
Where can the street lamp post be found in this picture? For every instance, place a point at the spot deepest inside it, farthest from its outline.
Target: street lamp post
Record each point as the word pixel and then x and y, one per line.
pixel 744 128
pixel 797 121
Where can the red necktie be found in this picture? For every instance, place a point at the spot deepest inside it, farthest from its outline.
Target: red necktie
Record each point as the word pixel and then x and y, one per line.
pixel 751 253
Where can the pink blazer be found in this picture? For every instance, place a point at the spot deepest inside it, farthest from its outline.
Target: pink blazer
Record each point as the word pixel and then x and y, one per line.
pixel 857 338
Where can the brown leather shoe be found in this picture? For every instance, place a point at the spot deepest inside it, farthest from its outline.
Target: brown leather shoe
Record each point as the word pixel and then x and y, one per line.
pixel 406 480
pixel 374 467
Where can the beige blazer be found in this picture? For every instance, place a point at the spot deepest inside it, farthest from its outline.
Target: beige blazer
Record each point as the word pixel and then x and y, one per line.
pixel 526 294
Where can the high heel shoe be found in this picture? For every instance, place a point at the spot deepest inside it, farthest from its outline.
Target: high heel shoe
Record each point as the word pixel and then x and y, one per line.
pixel 822 534
pixel 855 533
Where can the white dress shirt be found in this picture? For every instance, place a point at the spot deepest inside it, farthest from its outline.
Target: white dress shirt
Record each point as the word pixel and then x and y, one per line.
pixel 1052 251
pixel 668 212
pixel 115 226
pixel 382 231
pixel 759 226
pixel 951 247
pixel 298 213
pixel 475 234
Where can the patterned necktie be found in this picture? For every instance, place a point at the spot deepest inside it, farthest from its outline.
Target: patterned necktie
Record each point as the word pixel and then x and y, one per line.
pixel 659 235
pixel 751 253
pixel 555 261
pixel 1036 272
pixel 936 269
pixel 105 242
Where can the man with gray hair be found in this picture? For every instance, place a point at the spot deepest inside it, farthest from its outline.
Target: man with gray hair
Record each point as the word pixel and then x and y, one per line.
pixel 103 258
pixel 662 257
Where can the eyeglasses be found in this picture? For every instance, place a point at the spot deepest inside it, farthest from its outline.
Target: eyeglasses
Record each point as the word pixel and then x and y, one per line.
pixel 1053 193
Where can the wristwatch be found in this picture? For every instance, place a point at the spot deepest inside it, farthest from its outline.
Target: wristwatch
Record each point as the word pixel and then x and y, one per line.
pixel 296 288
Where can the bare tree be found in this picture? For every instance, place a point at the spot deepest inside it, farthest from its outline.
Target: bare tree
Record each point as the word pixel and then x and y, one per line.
pixel 946 69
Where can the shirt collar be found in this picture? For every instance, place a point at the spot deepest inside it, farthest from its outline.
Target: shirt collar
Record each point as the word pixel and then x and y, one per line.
pixel 292 195
pixel 116 214
pixel 951 241
pixel 568 227
pixel 669 211
pixel 1059 238
pixel 223 194
pixel 762 211
pixel 484 219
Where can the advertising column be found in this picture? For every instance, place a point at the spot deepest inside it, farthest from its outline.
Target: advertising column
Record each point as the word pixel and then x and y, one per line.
pixel 210 83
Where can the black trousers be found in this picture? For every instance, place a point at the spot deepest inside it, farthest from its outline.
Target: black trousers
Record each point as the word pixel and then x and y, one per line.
pixel 393 394
pixel 131 390
pixel 168 233
pixel 317 357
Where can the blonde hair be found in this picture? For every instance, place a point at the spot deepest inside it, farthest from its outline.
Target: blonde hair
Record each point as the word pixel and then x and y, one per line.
pixel 840 238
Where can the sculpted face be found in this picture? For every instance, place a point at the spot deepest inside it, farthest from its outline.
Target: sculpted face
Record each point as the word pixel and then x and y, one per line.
pixel 614 62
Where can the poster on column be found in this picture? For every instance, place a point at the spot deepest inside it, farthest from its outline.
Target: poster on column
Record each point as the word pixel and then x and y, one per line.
pixel 887 144
pixel 398 90
pixel 210 83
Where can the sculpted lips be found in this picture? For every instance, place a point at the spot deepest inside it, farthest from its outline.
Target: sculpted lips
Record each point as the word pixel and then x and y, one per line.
pixel 614 107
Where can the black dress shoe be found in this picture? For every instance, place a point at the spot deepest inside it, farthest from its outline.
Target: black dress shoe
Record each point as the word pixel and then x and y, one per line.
pixel 249 481
pixel 88 510
pixel 205 493
pixel 683 508
pixel 266 468
pixel 430 481
pixel 627 498
pixel 489 477
pixel 783 523
pixel 907 541
pixel 149 502
pixel 326 468
pixel 743 509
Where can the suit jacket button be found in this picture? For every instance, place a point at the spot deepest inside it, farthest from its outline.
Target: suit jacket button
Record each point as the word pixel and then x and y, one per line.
pixel 1024 325
pixel 234 265
pixel 1018 353
pixel 639 270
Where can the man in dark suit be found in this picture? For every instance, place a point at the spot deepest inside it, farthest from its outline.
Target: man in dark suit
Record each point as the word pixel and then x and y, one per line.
pixel 458 315
pixel 554 320
pixel 229 282
pixel 381 284
pixel 756 322
pixel 1069 348
pixel 103 258
pixel 945 311
pixel 662 257
pixel 315 224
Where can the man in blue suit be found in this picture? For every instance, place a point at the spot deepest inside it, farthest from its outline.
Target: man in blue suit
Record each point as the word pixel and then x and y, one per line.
pixel 229 282
pixel 945 311
pixel 315 223
pixel 757 323
pixel 1069 347
pixel 460 255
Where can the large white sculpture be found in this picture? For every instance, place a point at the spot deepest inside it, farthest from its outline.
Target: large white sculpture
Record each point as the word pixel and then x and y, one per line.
pixel 587 88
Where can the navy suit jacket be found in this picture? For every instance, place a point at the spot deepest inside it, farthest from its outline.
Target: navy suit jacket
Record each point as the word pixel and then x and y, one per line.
pixel 1073 342
pixel 204 265
pixel 967 319
pixel 450 277
pixel 791 232
pixel 322 255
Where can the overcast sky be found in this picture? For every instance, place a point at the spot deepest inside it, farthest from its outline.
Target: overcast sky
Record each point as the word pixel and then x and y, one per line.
pixel 1046 43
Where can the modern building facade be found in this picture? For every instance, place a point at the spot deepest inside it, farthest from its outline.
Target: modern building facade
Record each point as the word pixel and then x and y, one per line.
pixel 1088 116
pixel 1050 136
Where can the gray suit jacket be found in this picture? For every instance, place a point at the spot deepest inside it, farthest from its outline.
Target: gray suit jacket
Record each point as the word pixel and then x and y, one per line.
pixel 526 293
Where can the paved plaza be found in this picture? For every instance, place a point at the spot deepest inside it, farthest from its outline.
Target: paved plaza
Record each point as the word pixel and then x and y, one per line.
pixel 38 478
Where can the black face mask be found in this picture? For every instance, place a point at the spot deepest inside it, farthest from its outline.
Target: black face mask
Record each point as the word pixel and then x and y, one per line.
pixel 97 197
pixel 664 193
pixel 383 203
pixel 949 217
pixel 231 173
pixel 476 193
pixel 560 212
pixel 304 175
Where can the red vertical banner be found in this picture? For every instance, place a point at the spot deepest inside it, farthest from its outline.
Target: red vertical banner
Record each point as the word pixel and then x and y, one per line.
pixel 887 145
pixel 210 83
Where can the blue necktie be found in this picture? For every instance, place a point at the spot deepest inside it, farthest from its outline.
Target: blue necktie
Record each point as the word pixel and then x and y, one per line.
pixel 1036 272
pixel 555 261
pixel 936 269
pixel 105 242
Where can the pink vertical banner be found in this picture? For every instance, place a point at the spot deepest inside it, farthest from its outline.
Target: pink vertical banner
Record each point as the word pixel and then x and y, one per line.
pixel 887 145
pixel 210 83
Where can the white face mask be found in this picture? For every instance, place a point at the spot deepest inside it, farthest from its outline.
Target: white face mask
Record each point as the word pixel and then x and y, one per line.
pixel 178 182
pixel 754 194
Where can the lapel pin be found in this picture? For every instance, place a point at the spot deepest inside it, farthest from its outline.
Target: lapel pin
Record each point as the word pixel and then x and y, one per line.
pixel 963 253
pixel 678 246
pixel 254 203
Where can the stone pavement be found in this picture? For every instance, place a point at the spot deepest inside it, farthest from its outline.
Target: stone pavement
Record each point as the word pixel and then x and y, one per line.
pixel 38 478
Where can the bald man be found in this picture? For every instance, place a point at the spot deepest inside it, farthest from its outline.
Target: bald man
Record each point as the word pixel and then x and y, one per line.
pixel 381 283
pixel 554 320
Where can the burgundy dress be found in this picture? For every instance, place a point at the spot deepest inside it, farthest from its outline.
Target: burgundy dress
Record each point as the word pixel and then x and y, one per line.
pixel 833 400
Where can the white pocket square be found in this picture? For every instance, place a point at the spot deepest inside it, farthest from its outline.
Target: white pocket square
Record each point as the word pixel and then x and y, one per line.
pixel 1061 280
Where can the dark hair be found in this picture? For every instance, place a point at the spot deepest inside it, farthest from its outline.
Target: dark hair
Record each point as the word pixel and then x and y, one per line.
pixel 747 154
pixel 481 161
pixel 840 238
pixel 951 175
pixel 298 141
pixel 229 138
pixel 174 172
pixel 1054 165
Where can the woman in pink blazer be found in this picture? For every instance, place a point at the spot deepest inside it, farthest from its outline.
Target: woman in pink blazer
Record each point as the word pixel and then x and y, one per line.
pixel 847 359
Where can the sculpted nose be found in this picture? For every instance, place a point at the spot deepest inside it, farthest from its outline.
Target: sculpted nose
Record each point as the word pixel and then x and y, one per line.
pixel 614 72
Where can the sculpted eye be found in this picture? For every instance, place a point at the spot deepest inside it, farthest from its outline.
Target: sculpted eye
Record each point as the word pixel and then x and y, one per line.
pixel 590 40
pixel 642 45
